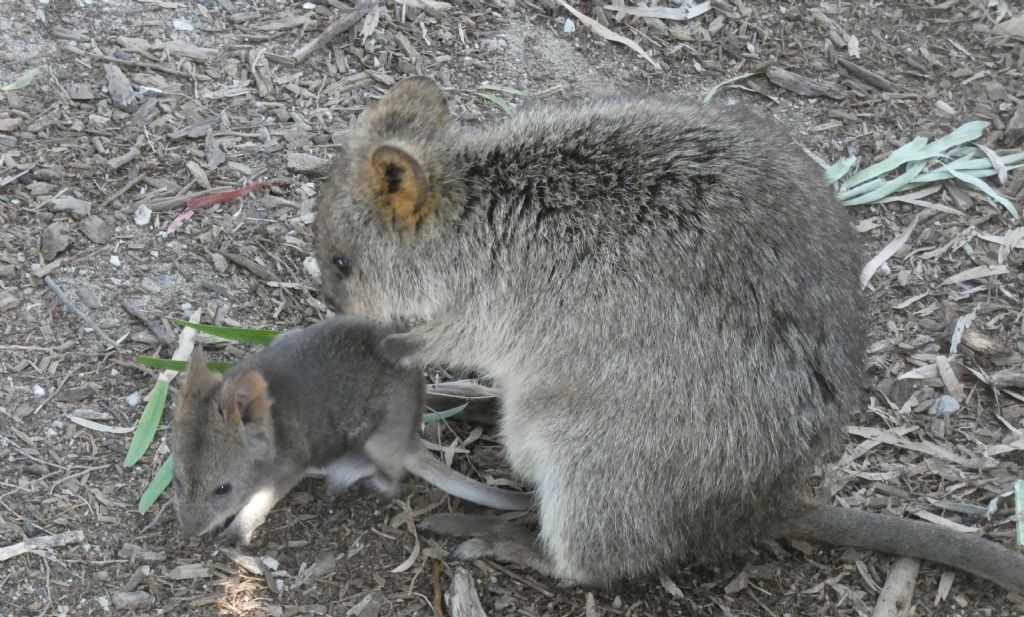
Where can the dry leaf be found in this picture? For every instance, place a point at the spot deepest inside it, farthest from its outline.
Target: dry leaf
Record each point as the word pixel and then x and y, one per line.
pixel 976 273
pixel 605 33
pixel 883 256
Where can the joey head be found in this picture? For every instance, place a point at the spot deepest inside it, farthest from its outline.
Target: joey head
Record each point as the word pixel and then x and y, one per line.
pixel 666 295
pixel 320 398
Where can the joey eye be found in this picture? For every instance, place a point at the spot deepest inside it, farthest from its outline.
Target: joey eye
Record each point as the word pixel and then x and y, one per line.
pixel 343 265
pixel 222 490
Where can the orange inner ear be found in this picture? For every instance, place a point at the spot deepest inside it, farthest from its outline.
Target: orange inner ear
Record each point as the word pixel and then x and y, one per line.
pixel 252 402
pixel 400 185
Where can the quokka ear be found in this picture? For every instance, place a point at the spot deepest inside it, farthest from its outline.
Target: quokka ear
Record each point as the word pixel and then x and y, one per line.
pixel 416 104
pixel 198 377
pixel 399 185
pixel 250 405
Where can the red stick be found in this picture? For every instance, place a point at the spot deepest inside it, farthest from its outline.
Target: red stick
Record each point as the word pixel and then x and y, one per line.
pixel 217 198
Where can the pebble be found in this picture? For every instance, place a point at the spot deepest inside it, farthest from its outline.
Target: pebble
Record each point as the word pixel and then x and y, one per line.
pixel 78 208
pixel 56 237
pixel 133 399
pixel 132 599
pixel 97 230
pixel 142 215
pixel 945 405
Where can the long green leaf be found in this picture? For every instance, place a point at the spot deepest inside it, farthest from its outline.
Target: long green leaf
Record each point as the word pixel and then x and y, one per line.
pixel 254 336
pixel 500 102
pixel 714 89
pixel 919 149
pixel 505 89
pixel 906 152
pixel 435 416
pixel 150 419
pixel 895 185
pixel 985 188
pixel 840 169
pixel 179 365
pixel 157 485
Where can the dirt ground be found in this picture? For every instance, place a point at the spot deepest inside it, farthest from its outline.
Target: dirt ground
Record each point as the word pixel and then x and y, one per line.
pixel 138 104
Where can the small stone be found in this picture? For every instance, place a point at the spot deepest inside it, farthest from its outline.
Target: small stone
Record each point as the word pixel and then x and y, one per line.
pixel 38 391
pixel 97 230
pixel 946 405
pixel 182 25
pixel 306 163
pixel 78 208
pixel 312 267
pixel 115 261
pixel 142 215
pixel 126 600
pixel 56 237
pixel 219 262
pixel 133 399
pixel 570 26
pixel 80 92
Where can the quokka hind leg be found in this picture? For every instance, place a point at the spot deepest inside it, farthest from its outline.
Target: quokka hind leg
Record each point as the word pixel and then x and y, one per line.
pixel 491 537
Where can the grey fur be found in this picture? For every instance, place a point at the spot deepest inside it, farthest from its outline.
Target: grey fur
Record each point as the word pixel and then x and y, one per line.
pixel 334 402
pixel 664 292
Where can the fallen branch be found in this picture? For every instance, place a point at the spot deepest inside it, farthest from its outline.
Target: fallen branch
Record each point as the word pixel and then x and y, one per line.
pixel 40 542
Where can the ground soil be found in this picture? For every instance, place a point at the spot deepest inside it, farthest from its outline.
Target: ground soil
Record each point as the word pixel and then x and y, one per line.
pixel 214 107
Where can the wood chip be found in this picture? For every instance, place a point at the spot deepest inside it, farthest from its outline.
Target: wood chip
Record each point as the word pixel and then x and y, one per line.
pixel 897 596
pixel 118 86
pixel 887 251
pixel 803 86
pixel 333 29
pixel 461 598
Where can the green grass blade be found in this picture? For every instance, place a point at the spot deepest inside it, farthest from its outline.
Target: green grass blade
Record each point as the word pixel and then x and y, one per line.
pixel 505 89
pixel 150 419
pixel 906 152
pixel 897 184
pixel 179 365
pixel 840 169
pixel 985 188
pixel 500 102
pixel 919 149
pixel 157 486
pixel 254 336
pixel 714 89
pixel 435 416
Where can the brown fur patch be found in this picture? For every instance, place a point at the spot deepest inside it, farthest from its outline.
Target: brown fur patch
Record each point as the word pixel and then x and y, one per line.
pixel 400 187
pixel 251 404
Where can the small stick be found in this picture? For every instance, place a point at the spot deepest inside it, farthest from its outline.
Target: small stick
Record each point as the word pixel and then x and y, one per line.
pixel 869 77
pixel 332 30
pixel 134 311
pixel 77 311
pixel 135 63
pixel 121 191
pixel 41 542
pixel 435 578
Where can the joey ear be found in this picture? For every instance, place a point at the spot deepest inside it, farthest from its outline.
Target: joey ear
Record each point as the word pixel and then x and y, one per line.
pixel 415 104
pixel 399 185
pixel 250 406
pixel 198 376
pixel 397 347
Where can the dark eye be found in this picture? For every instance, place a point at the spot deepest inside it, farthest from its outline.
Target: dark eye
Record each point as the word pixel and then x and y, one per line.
pixel 343 265
pixel 222 490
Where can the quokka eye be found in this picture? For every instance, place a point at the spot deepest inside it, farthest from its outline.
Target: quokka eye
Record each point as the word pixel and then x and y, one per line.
pixel 222 490
pixel 343 265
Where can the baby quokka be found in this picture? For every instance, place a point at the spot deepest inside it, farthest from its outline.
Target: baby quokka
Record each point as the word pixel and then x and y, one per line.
pixel 320 398
pixel 666 295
